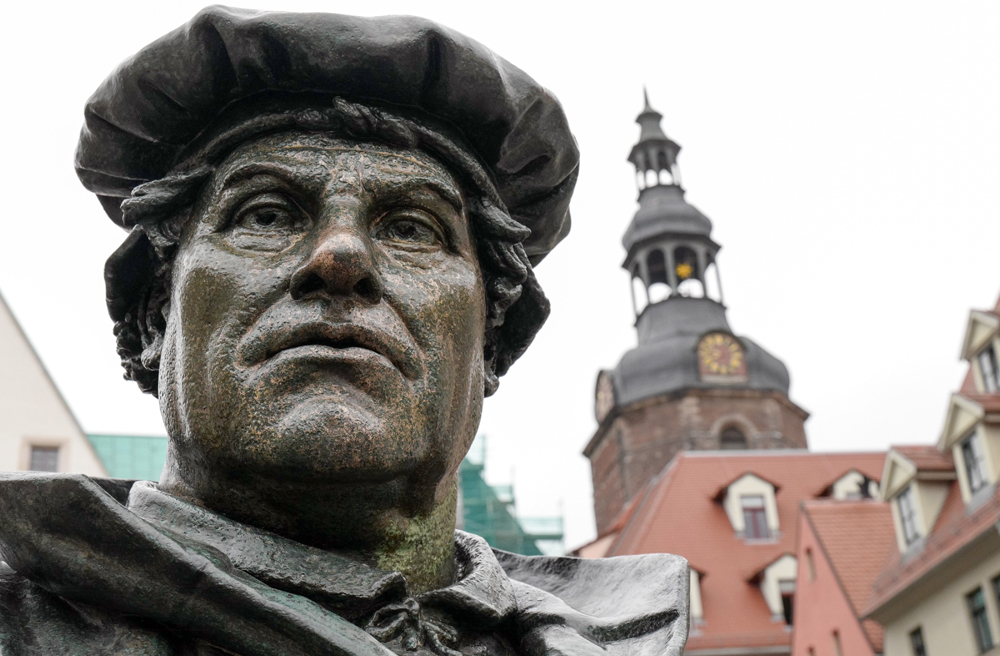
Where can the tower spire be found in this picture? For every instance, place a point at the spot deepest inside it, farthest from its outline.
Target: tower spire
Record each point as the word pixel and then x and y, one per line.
pixel 669 242
pixel 655 155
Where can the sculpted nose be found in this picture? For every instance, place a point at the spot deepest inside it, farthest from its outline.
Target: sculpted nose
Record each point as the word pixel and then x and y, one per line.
pixel 340 264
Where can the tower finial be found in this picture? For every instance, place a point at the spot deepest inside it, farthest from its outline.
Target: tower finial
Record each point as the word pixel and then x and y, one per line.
pixel 655 155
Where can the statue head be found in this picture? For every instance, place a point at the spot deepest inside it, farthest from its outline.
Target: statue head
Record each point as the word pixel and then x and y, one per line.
pixel 333 223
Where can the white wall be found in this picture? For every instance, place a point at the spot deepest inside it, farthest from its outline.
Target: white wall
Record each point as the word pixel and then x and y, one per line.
pixel 785 568
pixel 944 617
pixel 32 411
pixel 847 486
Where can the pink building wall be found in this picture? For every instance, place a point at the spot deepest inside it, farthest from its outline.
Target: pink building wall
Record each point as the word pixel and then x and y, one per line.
pixel 821 607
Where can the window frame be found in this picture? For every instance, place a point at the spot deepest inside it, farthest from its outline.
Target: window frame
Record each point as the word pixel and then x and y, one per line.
pixel 976 602
pixel 811 564
pixel 974 460
pixel 43 451
pixel 908 516
pixel 786 587
pixel 755 516
pixel 917 643
pixel 988 369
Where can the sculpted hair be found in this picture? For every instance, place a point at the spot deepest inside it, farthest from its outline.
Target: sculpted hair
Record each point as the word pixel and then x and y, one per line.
pixel 139 274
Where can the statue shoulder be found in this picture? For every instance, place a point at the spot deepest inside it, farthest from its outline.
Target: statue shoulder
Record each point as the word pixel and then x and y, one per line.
pixel 35 622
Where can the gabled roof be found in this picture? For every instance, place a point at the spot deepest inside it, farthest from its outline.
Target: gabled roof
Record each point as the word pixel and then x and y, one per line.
pixel 856 537
pixel 678 515
pixel 720 494
pixel 898 471
pixel 962 416
pixel 904 463
pixel 32 410
pixel 826 489
pixel 982 326
pixel 759 574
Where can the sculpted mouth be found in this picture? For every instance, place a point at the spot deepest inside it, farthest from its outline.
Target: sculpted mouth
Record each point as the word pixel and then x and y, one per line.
pixel 340 339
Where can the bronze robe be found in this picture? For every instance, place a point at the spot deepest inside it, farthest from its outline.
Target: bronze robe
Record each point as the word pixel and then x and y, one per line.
pixel 110 567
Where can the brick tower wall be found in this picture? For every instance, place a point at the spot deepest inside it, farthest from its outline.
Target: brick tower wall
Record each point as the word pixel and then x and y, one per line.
pixel 633 446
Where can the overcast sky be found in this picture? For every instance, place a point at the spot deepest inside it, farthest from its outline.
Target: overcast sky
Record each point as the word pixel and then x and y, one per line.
pixel 848 154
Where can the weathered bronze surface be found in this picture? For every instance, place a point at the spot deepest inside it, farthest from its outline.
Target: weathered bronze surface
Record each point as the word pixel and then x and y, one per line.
pixel 321 284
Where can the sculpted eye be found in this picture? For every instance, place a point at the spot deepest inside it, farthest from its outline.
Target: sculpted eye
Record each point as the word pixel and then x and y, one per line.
pixel 266 218
pixel 411 228
pixel 270 222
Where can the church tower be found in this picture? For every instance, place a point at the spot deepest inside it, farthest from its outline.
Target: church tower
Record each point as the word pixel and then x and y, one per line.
pixel 690 383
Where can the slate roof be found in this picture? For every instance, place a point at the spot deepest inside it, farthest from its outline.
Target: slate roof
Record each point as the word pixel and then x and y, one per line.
pixel 665 360
pixel 677 514
pixel 856 537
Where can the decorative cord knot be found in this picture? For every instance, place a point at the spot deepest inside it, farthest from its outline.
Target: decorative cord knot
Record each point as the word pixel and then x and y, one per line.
pixel 407 620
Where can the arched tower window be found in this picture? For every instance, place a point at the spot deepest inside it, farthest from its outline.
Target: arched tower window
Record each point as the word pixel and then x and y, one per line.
pixel 659 284
pixel 689 276
pixel 732 438
pixel 640 297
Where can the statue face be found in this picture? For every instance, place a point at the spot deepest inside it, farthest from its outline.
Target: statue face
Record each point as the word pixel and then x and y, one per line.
pixel 326 318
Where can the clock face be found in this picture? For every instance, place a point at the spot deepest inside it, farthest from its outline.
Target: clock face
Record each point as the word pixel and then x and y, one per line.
pixel 720 354
pixel 604 399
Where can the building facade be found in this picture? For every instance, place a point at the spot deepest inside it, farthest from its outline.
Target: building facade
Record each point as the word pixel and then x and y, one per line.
pixel 37 429
pixel 842 545
pixel 691 383
pixel 734 515
pixel 939 593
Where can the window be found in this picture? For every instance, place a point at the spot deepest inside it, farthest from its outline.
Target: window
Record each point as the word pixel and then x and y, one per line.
pixel 908 516
pixel 980 625
pixel 975 462
pixel 838 649
pixel 996 588
pixel 988 367
pixel 917 642
pixel 754 517
pixel 787 589
pixel 732 438
pixel 812 564
pixel 44 458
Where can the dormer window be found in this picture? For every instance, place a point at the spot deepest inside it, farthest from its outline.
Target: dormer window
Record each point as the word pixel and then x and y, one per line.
pixel 975 462
pixel 908 516
pixel 751 506
pixel 754 517
pixel 988 368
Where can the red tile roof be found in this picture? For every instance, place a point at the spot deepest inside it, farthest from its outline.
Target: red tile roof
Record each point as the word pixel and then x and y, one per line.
pixel 953 529
pixel 856 537
pixel 927 458
pixel 678 515
pixel 990 402
pixel 968 387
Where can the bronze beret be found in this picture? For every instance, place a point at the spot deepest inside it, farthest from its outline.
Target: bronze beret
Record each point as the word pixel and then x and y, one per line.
pixel 146 115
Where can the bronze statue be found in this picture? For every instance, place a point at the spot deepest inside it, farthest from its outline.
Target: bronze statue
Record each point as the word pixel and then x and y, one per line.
pixel 333 223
